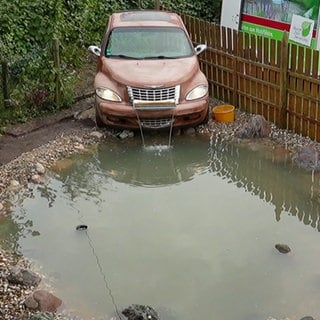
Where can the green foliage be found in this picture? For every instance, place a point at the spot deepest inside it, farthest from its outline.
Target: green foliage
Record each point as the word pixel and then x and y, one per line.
pixel 27 29
pixel 204 9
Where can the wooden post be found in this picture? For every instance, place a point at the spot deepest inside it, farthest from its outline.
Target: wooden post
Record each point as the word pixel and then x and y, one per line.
pixel 157 4
pixel 56 61
pixel 282 116
pixel 5 86
pixel 235 44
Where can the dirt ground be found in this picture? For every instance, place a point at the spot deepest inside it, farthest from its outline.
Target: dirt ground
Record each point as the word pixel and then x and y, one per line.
pixel 24 137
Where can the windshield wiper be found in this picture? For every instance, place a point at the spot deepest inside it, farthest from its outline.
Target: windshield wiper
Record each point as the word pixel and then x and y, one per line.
pixel 122 56
pixel 160 57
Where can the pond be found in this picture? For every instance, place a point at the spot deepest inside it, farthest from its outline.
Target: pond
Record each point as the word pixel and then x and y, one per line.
pixel 190 230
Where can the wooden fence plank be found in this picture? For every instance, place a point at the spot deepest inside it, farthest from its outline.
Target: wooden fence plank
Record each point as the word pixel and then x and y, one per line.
pixel 283 59
pixel 299 88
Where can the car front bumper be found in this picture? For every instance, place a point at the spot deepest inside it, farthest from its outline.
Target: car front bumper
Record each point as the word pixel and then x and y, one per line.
pixel 125 116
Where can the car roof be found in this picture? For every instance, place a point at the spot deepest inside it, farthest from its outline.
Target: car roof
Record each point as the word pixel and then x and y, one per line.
pixel 145 18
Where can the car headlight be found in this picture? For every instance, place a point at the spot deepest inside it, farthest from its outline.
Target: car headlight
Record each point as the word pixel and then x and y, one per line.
pixel 107 94
pixel 197 93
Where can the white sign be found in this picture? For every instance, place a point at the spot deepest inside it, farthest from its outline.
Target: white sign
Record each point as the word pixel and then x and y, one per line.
pixel 230 14
pixel 301 30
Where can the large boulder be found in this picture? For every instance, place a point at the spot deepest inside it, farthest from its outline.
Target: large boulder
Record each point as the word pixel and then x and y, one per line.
pixel 140 312
pixel 43 300
pixel 307 158
pixel 24 277
pixel 256 127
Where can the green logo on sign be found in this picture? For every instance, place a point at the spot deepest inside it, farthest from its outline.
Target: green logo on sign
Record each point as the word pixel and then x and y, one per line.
pixel 306 27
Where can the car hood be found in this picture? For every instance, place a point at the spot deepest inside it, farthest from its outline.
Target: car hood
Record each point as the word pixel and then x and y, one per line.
pixel 166 72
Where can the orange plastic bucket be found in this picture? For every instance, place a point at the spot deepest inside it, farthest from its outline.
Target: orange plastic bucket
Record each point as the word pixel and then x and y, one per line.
pixel 223 113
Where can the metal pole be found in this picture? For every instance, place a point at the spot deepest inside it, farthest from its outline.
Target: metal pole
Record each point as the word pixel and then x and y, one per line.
pixel 157 4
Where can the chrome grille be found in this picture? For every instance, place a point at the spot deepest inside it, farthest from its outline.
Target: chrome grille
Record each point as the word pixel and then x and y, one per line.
pixel 156 123
pixel 158 94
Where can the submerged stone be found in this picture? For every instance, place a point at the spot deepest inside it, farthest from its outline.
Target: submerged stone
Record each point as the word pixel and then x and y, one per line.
pixel 307 158
pixel 43 316
pixel 81 227
pixel 283 248
pixel 43 300
pixel 140 312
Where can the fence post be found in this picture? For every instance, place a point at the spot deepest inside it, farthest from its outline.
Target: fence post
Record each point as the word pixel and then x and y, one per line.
pixel 56 61
pixel 282 116
pixel 157 4
pixel 236 50
pixel 5 86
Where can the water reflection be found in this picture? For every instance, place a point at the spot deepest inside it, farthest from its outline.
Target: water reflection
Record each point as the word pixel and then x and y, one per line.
pixel 255 167
pixel 11 230
pixel 268 173
pixel 261 169
pixel 156 166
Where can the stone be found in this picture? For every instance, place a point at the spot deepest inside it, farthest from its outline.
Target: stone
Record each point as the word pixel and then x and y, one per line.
pixel 31 303
pixel 22 276
pixel 282 248
pixel 1 207
pixel 37 179
pixel 140 312
pixel 256 127
pixel 96 134
pixel 190 131
pixel 307 318
pixel 79 147
pixel 307 158
pixel 43 300
pixel 43 316
pixel 125 134
pixel 40 168
pixel 14 184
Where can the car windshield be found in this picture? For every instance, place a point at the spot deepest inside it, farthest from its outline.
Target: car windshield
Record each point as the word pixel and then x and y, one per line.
pixel 148 43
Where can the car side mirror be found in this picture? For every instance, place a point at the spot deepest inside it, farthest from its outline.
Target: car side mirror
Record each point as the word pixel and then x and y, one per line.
pixel 95 50
pixel 200 48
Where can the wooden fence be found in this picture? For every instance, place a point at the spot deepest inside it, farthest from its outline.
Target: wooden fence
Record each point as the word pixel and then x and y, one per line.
pixel 276 79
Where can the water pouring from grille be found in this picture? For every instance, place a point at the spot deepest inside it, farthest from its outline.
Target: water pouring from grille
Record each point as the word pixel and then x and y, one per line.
pixel 158 123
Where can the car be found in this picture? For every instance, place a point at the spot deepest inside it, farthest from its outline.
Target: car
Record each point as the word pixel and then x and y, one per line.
pixel 148 74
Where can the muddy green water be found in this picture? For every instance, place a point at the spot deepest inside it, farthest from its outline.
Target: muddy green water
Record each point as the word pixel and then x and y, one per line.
pixel 190 231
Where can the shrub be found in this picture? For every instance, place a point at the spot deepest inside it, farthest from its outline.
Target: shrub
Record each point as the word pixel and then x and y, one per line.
pixel 28 27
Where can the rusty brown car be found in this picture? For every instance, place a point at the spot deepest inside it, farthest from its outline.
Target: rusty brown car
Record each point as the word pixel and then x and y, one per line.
pixel 148 73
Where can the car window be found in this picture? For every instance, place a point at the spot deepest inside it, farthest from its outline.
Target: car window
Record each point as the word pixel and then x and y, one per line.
pixel 148 43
